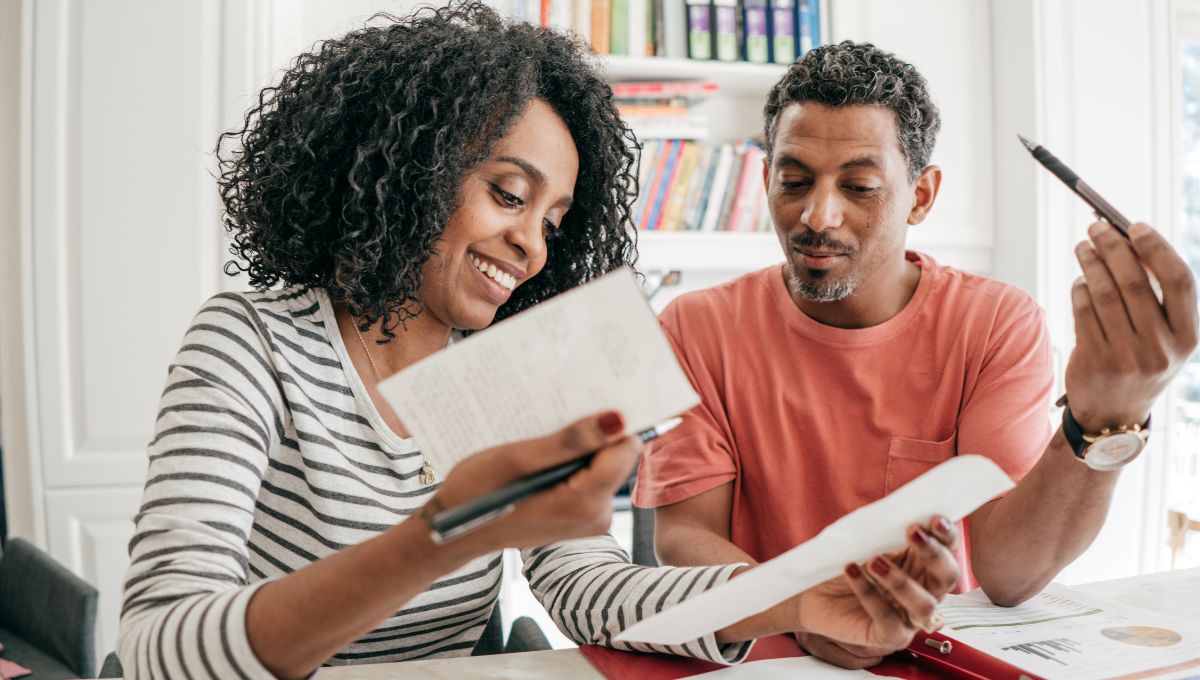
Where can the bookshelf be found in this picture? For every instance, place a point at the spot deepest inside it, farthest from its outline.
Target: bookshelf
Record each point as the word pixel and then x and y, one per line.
pixel 735 78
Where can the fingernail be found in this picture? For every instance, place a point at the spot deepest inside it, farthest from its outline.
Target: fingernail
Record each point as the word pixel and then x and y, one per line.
pixel 611 422
pixel 852 571
pixel 1084 251
pixel 880 566
pixel 918 537
pixel 1139 229
pixel 1098 227
pixel 943 526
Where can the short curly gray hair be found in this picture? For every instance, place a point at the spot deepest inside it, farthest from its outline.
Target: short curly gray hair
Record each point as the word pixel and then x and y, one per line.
pixel 851 73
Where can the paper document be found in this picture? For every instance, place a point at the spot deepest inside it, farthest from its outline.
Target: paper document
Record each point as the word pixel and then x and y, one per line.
pixel 1063 633
pixel 954 489
pixel 1170 592
pixel 595 348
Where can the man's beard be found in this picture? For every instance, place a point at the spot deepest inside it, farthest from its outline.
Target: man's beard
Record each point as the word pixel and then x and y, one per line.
pixel 815 290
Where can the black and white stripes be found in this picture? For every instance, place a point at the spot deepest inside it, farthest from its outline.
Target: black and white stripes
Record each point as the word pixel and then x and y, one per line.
pixel 268 455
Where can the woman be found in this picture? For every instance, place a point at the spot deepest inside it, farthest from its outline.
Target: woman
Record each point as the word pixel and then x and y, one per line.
pixel 401 182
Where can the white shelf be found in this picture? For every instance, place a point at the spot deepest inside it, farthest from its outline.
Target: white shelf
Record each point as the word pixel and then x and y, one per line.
pixel 707 251
pixel 737 78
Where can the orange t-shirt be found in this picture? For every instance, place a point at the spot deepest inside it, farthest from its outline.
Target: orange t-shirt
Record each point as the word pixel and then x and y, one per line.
pixel 810 422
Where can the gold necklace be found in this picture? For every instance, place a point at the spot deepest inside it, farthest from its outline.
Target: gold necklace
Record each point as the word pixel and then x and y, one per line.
pixel 427 475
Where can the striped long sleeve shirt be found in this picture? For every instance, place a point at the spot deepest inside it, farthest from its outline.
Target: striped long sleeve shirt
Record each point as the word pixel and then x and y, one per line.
pixel 268 455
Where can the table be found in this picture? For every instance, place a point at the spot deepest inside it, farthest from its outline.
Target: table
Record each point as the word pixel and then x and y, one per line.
pixel 1173 592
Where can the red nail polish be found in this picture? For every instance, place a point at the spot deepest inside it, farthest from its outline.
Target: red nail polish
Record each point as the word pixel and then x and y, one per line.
pixel 918 537
pixel 852 571
pixel 881 567
pixel 611 422
pixel 943 525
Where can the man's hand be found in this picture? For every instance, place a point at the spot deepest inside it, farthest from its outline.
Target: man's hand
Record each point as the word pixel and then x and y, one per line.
pixel 1128 345
pixel 929 560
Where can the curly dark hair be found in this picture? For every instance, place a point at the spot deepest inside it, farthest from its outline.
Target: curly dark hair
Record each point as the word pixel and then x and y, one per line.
pixel 851 73
pixel 345 173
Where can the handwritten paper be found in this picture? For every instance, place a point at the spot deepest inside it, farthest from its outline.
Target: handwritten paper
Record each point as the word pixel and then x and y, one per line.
pixel 595 348
pixel 953 489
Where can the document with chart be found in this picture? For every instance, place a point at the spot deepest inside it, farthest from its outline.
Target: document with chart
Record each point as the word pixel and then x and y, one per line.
pixel 1062 633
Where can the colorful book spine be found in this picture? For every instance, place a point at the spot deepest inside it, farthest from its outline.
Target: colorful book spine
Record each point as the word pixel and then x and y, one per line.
pixel 783 31
pixel 808 19
pixel 700 29
pixel 725 17
pixel 745 206
pixel 650 152
pixel 601 26
pixel 677 193
pixel 618 36
pixel 720 186
pixel 656 212
pixel 731 190
pixel 658 178
pixel 755 25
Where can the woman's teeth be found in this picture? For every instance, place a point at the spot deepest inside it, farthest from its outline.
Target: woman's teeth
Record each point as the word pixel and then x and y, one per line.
pixel 494 274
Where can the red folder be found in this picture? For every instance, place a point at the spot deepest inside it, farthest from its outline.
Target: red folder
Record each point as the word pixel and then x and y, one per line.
pixel 920 662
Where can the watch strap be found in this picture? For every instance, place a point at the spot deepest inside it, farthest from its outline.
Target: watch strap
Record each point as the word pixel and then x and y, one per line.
pixel 1076 438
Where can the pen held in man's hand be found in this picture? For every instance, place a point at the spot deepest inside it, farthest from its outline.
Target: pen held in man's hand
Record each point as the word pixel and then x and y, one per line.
pixel 449 523
pixel 1102 208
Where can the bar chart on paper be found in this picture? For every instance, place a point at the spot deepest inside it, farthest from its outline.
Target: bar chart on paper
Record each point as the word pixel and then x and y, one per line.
pixel 1062 633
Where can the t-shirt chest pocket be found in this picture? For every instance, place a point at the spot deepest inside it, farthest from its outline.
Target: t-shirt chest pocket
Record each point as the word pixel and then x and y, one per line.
pixel 911 458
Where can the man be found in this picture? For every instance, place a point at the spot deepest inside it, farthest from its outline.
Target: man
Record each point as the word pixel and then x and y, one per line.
pixel 854 367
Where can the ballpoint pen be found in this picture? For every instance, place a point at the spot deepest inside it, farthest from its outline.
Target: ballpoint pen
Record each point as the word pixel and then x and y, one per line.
pixel 447 524
pixel 1103 209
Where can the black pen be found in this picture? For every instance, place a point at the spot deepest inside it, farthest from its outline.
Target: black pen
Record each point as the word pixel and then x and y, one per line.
pixel 1103 209
pixel 450 523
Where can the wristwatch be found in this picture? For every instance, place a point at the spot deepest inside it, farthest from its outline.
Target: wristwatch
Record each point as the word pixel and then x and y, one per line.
pixel 1109 450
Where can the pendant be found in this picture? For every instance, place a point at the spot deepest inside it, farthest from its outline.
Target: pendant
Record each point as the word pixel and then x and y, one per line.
pixel 427 475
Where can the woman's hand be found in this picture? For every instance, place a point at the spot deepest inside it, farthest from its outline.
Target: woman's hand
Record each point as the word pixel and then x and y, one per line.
pixel 580 506
pixel 876 608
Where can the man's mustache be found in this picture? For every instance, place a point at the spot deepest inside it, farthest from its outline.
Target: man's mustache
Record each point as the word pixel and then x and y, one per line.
pixel 819 241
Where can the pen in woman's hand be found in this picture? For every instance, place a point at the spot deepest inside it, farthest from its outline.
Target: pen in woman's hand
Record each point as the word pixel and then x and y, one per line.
pixel 447 524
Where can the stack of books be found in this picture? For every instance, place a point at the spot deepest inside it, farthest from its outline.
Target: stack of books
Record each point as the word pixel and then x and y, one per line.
pixel 756 31
pixel 664 109
pixel 686 185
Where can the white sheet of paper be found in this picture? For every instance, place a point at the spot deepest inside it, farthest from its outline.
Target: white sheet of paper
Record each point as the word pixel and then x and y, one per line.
pixel 807 667
pixel 1064 633
pixel 595 348
pixel 954 489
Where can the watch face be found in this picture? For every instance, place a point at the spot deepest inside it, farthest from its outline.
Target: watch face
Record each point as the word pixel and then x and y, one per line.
pixel 1113 451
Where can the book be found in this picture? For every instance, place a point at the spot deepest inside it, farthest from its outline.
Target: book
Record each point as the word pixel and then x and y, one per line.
pixel 757 42
pixel 701 176
pixel 673 21
pixel 618 27
pixel 677 192
pixel 637 28
pixel 668 178
pixel 745 202
pixel 658 175
pixel 783 31
pixel 701 36
pixel 719 165
pixel 581 19
pixel 599 35
pixel 725 20
pixel 808 19
pixel 690 90
pixel 650 152
pixel 714 212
